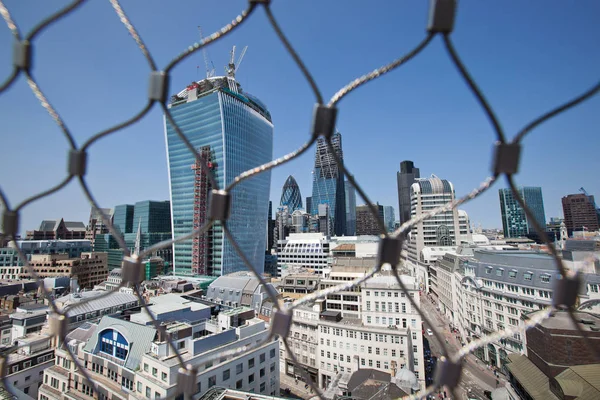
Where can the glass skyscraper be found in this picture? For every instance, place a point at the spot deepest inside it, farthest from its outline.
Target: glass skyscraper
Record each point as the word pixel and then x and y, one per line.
pixel 123 218
pixel 152 216
pixel 290 195
pixel 350 209
pixel 328 184
pixel 406 177
pixel 232 131
pixel 514 221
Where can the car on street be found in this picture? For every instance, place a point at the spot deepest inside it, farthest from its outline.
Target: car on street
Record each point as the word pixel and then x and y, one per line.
pixel 429 332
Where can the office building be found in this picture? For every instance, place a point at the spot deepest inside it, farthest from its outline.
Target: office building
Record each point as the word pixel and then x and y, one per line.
pixel 308 204
pixel 406 177
pixel 389 218
pixel 366 222
pixel 580 213
pixel 442 230
pixel 135 359
pixel 89 268
pixel 239 289
pixel 152 216
pixel 350 209
pixel 514 220
pixel 306 250
pixel 270 229
pixel 58 229
pixel 232 133
pixel 328 184
pixel 25 367
pixel 290 195
pixel 10 260
pixel 96 225
pixel 123 218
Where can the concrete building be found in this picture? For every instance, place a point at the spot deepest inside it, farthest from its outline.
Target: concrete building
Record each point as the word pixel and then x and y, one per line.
pixel 559 363
pixel 366 222
pixel 25 367
pixel 171 308
pixel 90 268
pixel 304 342
pixel 57 229
pixel 298 285
pixel 135 361
pixel 580 213
pixel 238 289
pixel 306 250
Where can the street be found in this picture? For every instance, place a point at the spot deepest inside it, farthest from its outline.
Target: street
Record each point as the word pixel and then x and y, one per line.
pixel 477 376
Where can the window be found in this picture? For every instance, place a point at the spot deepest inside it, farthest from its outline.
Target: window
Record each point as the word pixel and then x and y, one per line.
pixel 250 378
pixel 251 363
pixel 163 376
pixel 212 381
pixel 262 357
pixel 272 368
pixel 545 278
pixel 226 374
pixel 239 384
pixel 148 391
pixel 262 372
pixel 139 387
pixel 154 371
pixel 512 274
pixel 263 386
pixel 528 276
pixel 239 369
pixel 499 272
pixel 272 353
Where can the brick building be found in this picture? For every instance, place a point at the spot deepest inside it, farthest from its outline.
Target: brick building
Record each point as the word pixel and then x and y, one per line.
pixel 366 223
pixel 57 229
pixel 580 213
pixel 90 268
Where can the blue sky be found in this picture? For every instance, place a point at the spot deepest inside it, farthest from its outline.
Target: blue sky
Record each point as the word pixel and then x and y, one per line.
pixel 526 56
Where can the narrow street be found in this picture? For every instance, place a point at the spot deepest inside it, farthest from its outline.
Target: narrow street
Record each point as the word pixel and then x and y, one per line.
pixel 477 377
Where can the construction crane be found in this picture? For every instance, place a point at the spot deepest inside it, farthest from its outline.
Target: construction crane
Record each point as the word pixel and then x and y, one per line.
pixel 209 72
pixel 233 66
pixel 582 190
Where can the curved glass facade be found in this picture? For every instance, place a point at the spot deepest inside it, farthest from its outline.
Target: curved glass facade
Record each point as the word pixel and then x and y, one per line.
pixel 238 138
pixel 290 195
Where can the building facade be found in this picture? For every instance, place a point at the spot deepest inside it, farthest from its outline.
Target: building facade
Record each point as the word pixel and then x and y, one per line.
pixel 123 218
pixel 57 229
pixel 580 213
pixel 129 360
pixel 307 250
pixel 96 225
pixel 514 220
pixel 328 184
pixel 25 367
pixel 406 177
pixel 232 131
pixel 350 209
pixel 366 222
pixel 389 218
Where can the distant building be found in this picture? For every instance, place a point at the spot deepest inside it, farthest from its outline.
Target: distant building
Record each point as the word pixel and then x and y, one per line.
pixel 270 229
pixel 308 204
pixel 366 222
pixel 236 290
pixel 328 184
pixel 96 225
pixel 514 220
pixel 290 195
pixel 389 218
pixel 58 229
pixel 580 213
pixel 25 367
pixel 406 177
pixel 307 250
pixel 350 209
pixel 123 218
pixel 90 268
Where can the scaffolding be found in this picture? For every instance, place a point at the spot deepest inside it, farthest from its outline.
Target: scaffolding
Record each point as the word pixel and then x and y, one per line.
pixel 201 244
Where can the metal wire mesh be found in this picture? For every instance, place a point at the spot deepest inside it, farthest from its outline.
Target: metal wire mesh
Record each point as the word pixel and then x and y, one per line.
pixel 441 23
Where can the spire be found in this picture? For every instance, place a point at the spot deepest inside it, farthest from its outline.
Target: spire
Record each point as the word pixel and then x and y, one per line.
pixel 138 238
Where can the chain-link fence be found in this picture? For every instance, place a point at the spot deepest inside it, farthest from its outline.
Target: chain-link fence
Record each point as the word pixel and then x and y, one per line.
pixel 505 164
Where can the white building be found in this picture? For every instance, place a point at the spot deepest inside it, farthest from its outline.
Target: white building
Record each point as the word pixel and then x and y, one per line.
pixel 372 326
pixel 133 361
pixel 25 367
pixel 446 229
pixel 306 250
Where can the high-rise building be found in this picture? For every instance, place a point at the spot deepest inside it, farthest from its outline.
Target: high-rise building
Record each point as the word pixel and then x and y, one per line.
pixel 290 195
pixel 123 218
pixel 270 228
pixel 514 220
pixel 366 223
pixel 232 133
pixel 442 230
pixel 308 204
pixel 328 184
pixel 406 177
pixel 152 216
pixel 96 225
pixel 350 209
pixel 580 212
pixel 389 218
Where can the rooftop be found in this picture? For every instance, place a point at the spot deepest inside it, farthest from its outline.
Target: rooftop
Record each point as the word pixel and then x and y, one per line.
pixel 76 306
pixel 561 320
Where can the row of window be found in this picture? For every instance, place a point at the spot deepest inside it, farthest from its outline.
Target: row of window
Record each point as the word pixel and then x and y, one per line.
pixel 528 276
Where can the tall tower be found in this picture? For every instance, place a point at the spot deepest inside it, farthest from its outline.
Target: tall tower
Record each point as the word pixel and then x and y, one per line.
pixel 406 177
pixel 290 195
pixel 328 185
pixel 580 212
pixel 350 209
pixel 232 132
pixel 514 220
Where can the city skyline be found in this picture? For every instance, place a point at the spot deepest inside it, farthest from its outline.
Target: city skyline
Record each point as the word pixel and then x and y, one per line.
pixel 430 75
